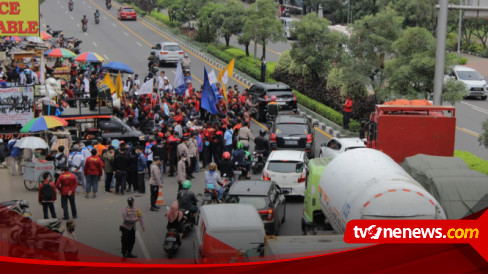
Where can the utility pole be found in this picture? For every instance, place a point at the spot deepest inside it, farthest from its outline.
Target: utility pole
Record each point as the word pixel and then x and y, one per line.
pixel 440 58
pixel 460 31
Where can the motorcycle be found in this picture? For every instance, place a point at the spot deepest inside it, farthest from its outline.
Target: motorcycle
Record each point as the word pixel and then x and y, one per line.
pixel 108 4
pixel 53 33
pixel 270 120
pixel 154 69
pixel 186 70
pixel 172 242
pixel 97 19
pixel 210 195
pixel 70 5
pixel 84 27
pixel 258 161
pixel 187 222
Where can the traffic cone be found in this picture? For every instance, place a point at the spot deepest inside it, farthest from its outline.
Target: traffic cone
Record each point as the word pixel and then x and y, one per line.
pixel 160 200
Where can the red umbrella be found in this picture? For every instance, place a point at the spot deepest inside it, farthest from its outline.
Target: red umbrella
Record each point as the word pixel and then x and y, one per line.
pixel 15 38
pixel 45 35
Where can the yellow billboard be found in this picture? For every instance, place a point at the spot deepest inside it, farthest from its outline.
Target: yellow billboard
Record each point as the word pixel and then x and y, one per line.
pixel 19 18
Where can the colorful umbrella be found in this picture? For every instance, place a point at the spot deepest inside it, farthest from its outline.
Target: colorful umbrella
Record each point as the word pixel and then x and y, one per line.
pixel 45 35
pixel 43 123
pixel 35 39
pixel 59 52
pixel 90 57
pixel 15 38
pixel 118 66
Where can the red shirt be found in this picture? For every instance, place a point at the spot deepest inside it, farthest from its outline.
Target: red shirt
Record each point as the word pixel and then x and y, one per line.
pixel 67 182
pixel 93 166
pixel 348 105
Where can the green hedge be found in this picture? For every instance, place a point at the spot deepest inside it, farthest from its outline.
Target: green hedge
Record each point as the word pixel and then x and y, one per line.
pixel 246 64
pixel 139 11
pixel 474 162
pixel 161 17
pixel 325 111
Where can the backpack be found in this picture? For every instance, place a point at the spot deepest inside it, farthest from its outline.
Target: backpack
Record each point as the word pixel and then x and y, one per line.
pixel 47 192
pixel 28 77
pixel 238 157
pixel 14 151
pixel 60 161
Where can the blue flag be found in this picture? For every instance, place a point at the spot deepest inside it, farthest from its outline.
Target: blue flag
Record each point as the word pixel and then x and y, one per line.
pixel 180 85
pixel 208 95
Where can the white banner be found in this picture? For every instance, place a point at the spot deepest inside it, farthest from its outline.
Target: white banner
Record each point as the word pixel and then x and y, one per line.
pixel 146 88
pixel 16 105
pixel 212 78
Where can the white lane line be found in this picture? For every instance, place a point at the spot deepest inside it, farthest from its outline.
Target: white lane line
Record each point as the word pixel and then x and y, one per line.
pixel 105 56
pixel 113 24
pixel 477 108
pixel 78 24
pixel 59 3
pixel 143 246
pixel 140 45
pixel 86 34
pixel 94 44
pixel 72 18
pixel 126 34
pixel 90 7
pixel 470 131
pixel 105 18
pixel 84 2
pixel 65 11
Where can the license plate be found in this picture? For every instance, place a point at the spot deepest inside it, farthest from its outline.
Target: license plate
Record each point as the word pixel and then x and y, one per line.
pixel 170 239
pixel 281 103
pixel 286 190
pixel 291 142
pixel 238 172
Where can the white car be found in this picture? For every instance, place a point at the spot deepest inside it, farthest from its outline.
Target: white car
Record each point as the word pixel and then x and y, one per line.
pixel 168 52
pixel 337 146
pixel 475 83
pixel 288 168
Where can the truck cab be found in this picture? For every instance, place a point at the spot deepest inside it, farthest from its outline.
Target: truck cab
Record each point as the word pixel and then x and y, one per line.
pixel 313 219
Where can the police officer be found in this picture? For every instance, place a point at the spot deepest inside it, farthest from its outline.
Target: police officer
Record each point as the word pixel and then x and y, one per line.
pixel 130 216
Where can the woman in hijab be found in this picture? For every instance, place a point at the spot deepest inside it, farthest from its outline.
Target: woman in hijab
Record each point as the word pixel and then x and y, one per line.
pixel 174 217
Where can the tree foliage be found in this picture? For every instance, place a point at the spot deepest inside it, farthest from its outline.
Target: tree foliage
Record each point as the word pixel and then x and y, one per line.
pixel 208 22
pixel 371 43
pixel 232 17
pixel 316 46
pixel 483 139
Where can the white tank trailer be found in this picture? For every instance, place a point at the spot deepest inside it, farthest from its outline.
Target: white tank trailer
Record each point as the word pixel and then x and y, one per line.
pixel 368 184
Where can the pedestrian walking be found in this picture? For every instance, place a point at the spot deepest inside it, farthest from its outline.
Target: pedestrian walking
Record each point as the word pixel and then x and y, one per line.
pixel 76 162
pixel 141 169
pixel 93 170
pixel 47 195
pixel 130 216
pixel 347 112
pixel 66 184
pixel 155 181
pixel 14 162
pixel 121 165
pixel 108 162
pixel 263 69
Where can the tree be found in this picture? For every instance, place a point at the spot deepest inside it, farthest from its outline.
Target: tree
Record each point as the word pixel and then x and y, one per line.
pixel 371 43
pixel 410 73
pixel 262 25
pixel 483 139
pixel 417 13
pixel 232 16
pixel 208 22
pixel 316 47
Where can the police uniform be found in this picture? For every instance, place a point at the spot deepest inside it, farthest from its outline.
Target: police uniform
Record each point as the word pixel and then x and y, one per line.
pixel 130 215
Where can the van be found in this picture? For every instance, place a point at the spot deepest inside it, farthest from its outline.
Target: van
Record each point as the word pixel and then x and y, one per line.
pixel 313 218
pixel 226 232
pixel 289 27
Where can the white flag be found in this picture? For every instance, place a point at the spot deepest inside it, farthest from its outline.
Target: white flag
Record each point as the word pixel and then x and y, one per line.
pixel 212 78
pixel 146 88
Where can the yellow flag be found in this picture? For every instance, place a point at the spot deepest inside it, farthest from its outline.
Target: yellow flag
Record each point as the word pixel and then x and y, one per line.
pixel 224 76
pixel 108 81
pixel 119 87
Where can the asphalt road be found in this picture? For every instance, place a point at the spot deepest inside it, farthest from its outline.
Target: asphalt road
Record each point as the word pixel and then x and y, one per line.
pixel 129 42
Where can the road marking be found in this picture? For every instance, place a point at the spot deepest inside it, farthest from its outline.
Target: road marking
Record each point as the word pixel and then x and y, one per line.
pixel 94 44
pixel 259 124
pixel 468 131
pixel 90 7
pixel 140 45
pixel 105 18
pixel 105 56
pixel 65 11
pixel 477 108
pixel 58 3
pixel 328 135
pixel 113 24
pixel 126 34
pixel 72 18
pixel 78 24
pixel 86 34
pixel 143 246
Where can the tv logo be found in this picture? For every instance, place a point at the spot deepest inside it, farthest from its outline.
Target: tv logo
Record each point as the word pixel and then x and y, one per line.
pixel 373 232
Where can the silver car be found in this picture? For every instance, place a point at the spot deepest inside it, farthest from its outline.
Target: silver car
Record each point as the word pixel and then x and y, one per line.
pixel 168 52
pixel 476 85
pixel 337 146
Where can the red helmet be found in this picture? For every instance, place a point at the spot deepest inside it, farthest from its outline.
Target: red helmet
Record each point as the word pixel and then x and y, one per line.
pixel 226 155
pixel 273 98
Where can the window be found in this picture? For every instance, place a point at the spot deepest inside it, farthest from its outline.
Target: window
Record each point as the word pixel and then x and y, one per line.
pixel 257 202
pixel 110 126
pixel 295 129
pixel 285 167
pixel 334 144
pixel 469 75
pixel 158 46
pixel 171 48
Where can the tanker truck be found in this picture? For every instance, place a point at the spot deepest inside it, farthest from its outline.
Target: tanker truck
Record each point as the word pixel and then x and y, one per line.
pixel 365 183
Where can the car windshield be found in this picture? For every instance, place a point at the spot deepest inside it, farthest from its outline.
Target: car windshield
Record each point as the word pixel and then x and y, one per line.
pixel 172 48
pixel 285 166
pixel 128 9
pixel 291 129
pixel 469 75
pixel 257 202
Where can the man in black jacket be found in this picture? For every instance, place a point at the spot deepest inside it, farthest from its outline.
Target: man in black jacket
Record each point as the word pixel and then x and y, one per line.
pixel 121 165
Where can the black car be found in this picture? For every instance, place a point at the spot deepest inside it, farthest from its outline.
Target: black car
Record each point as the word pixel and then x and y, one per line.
pixel 293 132
pixel 262 93
pixel 266 197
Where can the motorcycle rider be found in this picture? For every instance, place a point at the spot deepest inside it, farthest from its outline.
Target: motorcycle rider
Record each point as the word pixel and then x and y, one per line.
pixel 70 4
pixel 226 166
pixel 84 21
pixel 187 199
pixel 153 59
pixel 185 62
pixel 261 143
pixel 213 178
pixel 174 217
pixel 108 2
pixel 97 15
pixel 273 107
pixel 239 157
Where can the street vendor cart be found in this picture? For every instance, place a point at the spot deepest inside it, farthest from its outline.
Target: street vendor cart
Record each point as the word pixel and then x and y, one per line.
pixel 34 171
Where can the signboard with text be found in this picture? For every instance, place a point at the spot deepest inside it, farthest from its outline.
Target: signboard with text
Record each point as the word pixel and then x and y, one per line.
pixel 16 105
pixel 19 18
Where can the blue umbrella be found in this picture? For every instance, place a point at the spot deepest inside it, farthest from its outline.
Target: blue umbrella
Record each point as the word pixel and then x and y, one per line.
pixel 119 66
